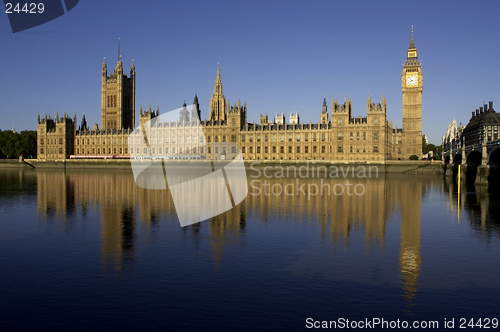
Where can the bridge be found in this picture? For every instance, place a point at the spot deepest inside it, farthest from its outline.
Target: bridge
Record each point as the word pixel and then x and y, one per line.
pixel 484 156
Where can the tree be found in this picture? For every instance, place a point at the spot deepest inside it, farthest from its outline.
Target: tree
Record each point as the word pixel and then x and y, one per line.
pixel 13 145
pixel 413 157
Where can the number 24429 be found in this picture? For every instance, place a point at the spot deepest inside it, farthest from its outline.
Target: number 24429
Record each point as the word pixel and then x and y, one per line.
pixel 32 8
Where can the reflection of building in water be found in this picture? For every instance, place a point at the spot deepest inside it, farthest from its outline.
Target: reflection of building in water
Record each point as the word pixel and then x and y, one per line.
pixel 118 198
pixel 122 202
pixel 55 195
pixel 481 208
pixel 409 255
pixel 346 213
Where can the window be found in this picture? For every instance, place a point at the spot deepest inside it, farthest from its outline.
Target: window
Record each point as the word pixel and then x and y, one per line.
pixel 266 149
pixel 323 149
pixel 274 149
pixel 242 138
pixel 339 121
pixel 306 149
pixel 233 138
pixel 351 136
pixel 375 137
pixel 282 149
pixel 282 138
pixel 306 137
pixel 234 122
pixel 258 138
pixel 357 136
pixel 251 149
pixel 290 137
pixel 364 136
pixel 243 149
pixel 258 149
pixel 166 139
pixel 274 137
pixel 375 121
pixel 289 149
pixel 340 135
pixel 298 149
pixel 340 149
pixel 323 137
pixel 223 138
pixel 266 138
pixel 314 138
pixel 250 139
pixel 375 149
pixel 187 140
pixel 298 137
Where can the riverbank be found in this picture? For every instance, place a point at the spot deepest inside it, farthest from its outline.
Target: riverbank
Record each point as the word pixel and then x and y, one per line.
pixel 392 166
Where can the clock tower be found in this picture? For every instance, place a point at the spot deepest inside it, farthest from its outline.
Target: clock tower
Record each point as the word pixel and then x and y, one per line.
pixel 411 85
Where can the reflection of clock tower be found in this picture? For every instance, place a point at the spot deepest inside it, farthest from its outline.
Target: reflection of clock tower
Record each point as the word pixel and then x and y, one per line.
pixel 411 84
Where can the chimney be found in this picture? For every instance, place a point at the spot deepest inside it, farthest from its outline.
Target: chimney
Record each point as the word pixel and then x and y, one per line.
pixel 473 114
pixel 477 112
pixel 485 108
pixel 481 110
pixel 491 106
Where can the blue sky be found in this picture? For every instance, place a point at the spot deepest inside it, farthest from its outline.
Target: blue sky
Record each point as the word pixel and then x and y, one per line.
pixel 278 56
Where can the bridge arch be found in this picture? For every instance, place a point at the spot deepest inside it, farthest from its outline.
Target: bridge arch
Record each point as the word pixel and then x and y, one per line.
pixel 473 161
pixel 474 158
pixel 457 159
pixel 494 157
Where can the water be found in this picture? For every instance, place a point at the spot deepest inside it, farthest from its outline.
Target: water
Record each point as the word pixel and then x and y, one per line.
pixel 88 250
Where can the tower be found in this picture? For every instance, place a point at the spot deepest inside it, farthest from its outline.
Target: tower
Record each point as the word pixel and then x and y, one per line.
pixel 218 101
pixel 411 85
pixel 117 97
pixel 324 113
pixel 196 112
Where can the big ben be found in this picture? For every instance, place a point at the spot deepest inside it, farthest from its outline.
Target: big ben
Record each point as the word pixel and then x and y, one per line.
pixel 411 85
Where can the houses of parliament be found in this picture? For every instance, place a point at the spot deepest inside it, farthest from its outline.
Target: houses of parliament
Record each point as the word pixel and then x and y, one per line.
pixel 338 136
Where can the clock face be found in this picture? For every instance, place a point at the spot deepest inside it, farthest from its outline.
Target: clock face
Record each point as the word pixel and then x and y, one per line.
pixel 411 80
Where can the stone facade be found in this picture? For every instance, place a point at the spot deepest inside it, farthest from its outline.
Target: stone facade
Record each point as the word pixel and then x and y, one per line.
pixel 338 136
pixel 483 127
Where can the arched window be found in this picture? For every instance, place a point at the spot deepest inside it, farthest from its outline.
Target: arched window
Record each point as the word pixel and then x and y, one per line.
pixel 108 101
pixel 115 100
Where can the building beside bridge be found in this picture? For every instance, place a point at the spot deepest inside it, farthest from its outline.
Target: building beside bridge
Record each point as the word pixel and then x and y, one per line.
pixel 338 136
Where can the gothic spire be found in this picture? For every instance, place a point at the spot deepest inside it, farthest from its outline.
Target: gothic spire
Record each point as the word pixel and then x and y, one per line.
pixel 412 43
